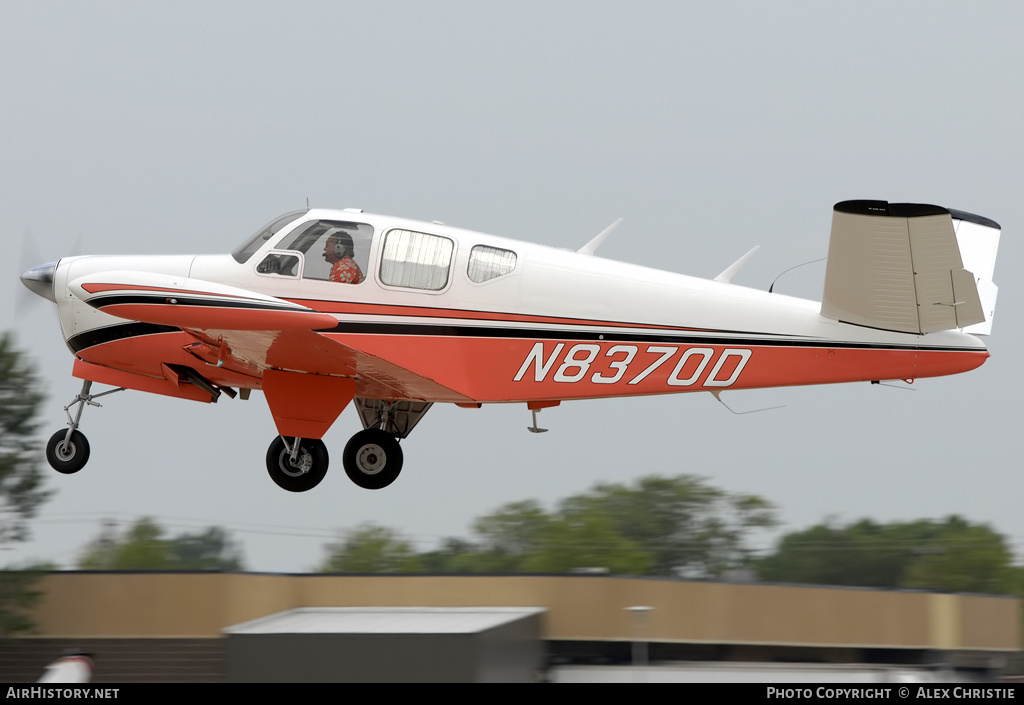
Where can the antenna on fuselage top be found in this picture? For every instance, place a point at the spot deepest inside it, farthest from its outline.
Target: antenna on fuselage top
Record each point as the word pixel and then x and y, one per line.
pixel 592 246
pixel 726 276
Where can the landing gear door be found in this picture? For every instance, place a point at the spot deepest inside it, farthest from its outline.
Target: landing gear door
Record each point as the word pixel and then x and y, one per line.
pixel 398 418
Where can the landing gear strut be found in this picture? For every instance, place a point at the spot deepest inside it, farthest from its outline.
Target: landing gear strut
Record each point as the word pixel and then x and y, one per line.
pixel 372 458
pixel 67 451
pixel 298 464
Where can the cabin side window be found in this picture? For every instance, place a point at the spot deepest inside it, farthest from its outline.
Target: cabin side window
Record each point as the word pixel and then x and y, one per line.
pixel 416 260
pixel 334 250
pixel 486 263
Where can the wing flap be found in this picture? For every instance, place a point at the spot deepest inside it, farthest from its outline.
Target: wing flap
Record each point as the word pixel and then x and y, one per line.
pixel 255 352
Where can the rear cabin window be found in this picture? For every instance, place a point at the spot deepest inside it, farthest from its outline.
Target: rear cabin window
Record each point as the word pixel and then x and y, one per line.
pixel 416 260
pixel 486 263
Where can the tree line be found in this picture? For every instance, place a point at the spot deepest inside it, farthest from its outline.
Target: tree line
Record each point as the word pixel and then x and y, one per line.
pixel 680 527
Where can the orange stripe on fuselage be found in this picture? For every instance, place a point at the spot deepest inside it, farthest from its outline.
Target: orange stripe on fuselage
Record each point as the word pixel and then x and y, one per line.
pixel 500 369
pixel 486 369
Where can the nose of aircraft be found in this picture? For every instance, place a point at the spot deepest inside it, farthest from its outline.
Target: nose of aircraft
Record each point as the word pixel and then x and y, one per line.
pixel 40 280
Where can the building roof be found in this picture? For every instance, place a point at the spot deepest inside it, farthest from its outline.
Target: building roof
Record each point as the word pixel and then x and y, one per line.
pixel 384 620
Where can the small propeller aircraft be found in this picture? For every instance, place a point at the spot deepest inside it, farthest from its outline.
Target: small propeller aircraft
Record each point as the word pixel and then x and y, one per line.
pixel 323 308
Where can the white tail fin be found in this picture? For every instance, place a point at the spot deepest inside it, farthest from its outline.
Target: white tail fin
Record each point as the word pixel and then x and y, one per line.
pixel 978 239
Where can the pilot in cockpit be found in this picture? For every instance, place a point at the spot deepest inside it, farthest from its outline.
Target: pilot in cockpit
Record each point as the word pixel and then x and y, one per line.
pixel 339 252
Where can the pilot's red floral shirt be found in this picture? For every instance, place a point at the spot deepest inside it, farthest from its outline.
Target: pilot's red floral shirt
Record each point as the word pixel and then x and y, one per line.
pixel 346 271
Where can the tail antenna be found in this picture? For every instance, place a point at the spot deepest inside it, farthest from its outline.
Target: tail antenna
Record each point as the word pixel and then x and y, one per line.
pixel 795 266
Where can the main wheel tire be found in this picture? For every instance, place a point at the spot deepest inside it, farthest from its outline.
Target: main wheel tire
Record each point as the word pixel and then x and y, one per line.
pixel 306 472
pixel 67 457
pixel 373 459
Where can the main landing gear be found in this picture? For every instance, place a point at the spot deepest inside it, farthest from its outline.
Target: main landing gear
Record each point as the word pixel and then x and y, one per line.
pixel 67 451
pixel 372 458
pixel 298 464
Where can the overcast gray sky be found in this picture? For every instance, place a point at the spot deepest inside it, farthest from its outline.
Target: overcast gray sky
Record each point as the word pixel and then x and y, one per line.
pixel 709 127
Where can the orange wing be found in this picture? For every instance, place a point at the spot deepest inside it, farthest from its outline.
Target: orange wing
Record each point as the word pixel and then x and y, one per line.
pixel 193 338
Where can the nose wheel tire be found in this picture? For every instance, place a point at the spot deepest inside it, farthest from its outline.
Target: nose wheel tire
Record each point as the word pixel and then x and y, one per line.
pixel 305 472
pixel 67 457
pixel 372 459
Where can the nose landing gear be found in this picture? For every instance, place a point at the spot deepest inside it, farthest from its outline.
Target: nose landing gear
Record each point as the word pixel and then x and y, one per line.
pixel 67 451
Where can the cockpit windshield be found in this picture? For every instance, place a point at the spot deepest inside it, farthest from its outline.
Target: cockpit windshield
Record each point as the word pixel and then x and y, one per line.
pixel 246 249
